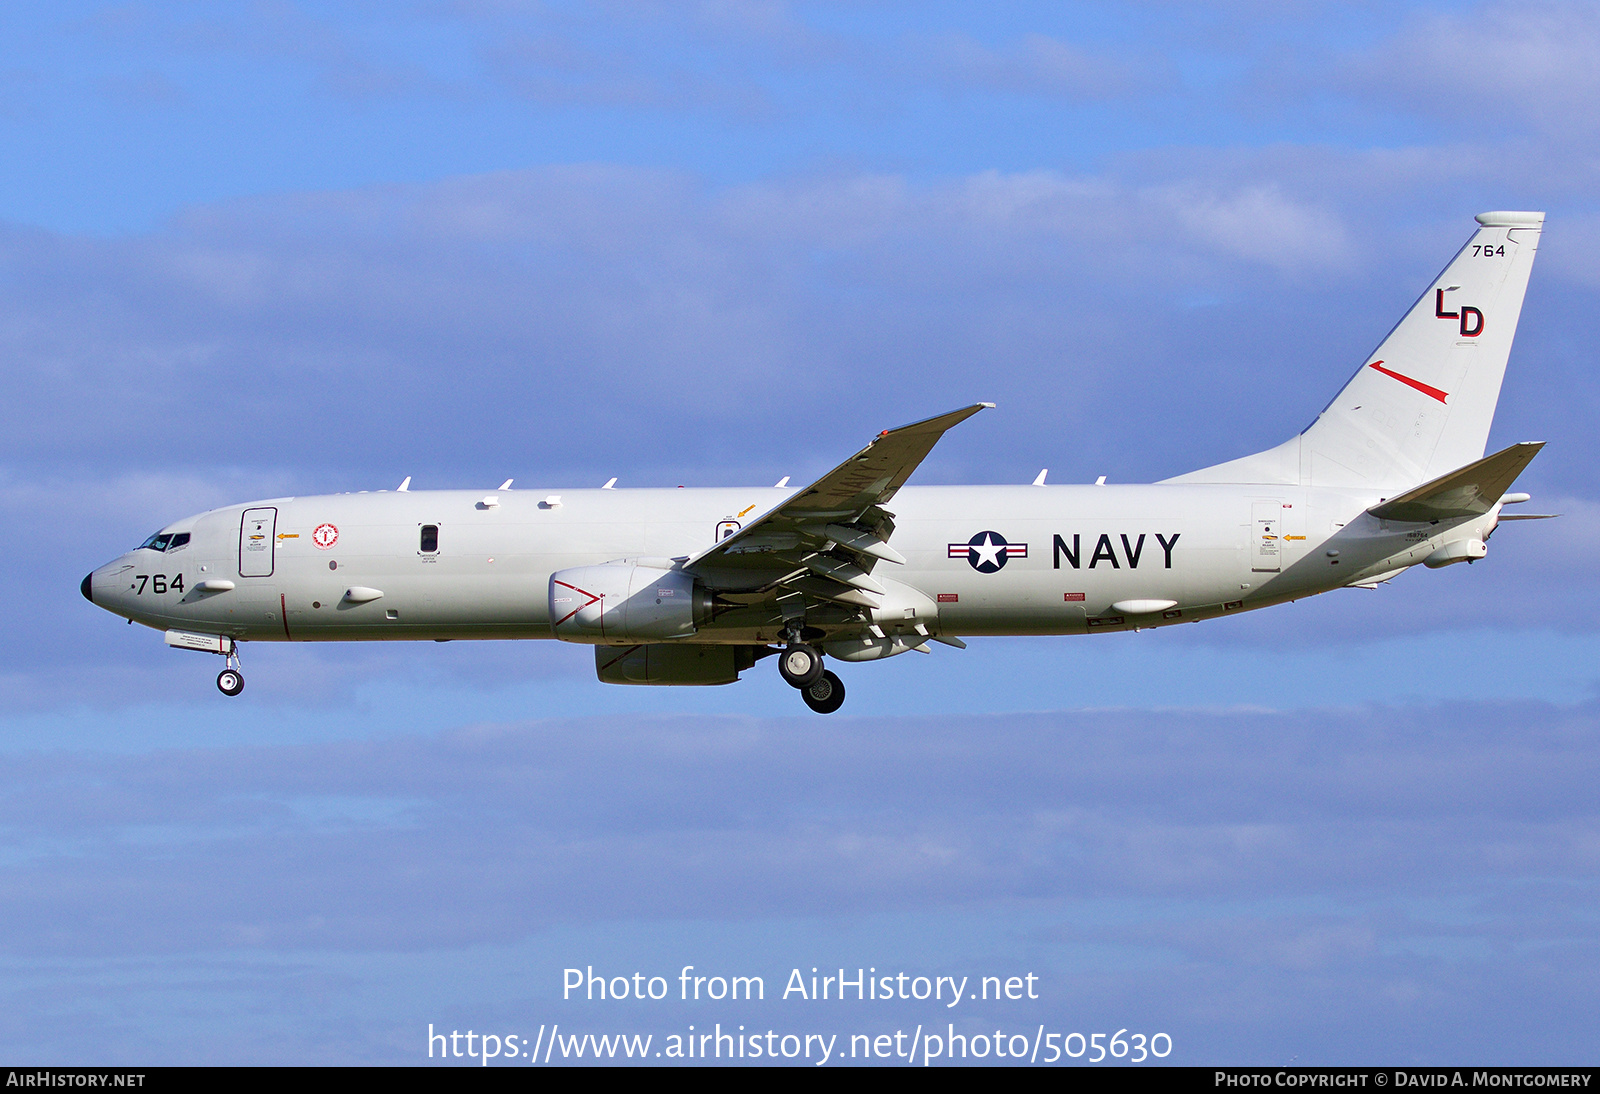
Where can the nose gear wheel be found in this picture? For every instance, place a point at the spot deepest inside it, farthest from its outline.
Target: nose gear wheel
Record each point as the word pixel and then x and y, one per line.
pixel 230 681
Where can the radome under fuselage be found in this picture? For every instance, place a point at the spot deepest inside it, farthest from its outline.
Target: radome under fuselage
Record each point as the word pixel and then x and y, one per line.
pixel 264 572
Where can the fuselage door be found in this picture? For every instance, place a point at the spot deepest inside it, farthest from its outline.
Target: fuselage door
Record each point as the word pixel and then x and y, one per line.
pixel 257 535
pixel 1267 537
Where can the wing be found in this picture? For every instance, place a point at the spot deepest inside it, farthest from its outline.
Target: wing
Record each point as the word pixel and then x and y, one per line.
pixel 823 541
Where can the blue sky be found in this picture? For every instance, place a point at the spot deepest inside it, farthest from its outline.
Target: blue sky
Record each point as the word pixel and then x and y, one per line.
pixel 252 249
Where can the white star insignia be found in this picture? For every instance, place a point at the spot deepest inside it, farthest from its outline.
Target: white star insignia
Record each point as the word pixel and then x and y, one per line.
pixel 989 551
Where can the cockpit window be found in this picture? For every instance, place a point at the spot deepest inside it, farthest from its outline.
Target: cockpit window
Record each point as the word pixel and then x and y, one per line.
pixel 166 541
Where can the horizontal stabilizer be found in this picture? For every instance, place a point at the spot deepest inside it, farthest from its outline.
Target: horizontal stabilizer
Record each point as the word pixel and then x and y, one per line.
pixel 1469 491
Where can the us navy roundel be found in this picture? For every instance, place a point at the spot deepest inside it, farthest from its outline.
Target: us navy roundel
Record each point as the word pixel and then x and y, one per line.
pixel 987 552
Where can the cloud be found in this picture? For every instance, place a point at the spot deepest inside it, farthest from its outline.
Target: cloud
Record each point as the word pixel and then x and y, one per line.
pixel 486 833
pixel 1236 878
pixel 1228 874
pixel 1265 225
pixel 1497 63
pixel 334 328
pixel 316 320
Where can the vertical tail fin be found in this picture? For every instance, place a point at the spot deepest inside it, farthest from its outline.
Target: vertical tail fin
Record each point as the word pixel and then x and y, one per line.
pixel 1422 404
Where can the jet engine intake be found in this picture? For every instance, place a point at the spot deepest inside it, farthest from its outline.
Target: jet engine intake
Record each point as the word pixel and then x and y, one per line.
pixel 621 602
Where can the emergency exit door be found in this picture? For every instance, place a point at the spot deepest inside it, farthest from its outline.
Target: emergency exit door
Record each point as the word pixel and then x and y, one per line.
pixel 257 534
pixel 1267 533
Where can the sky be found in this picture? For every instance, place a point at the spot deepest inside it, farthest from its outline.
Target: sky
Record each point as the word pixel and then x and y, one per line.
pixel 256 249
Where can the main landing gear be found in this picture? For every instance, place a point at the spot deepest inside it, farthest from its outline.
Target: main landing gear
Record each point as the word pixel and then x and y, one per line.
pixel 800 666
pixel 825 695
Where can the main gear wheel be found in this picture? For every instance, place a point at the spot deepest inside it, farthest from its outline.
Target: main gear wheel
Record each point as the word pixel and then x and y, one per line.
pixel 800 665
pixel 825 695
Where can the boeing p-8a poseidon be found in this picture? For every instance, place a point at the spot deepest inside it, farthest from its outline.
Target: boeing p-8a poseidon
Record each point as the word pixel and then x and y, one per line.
pixel 695 586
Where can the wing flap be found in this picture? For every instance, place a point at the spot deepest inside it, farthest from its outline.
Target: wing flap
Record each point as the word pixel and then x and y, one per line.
pixel 824 589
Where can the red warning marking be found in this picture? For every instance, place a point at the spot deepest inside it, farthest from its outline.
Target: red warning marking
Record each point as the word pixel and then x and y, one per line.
pixel 1072 598
pixel 325 536
pixel 619 656
pixel 949 598
pixel 1431 392
pixel 592 599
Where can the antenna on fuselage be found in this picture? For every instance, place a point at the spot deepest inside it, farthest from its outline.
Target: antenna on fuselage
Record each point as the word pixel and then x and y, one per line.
pixel 611 483
pixel 506 485
pixel 403 487
pixel 1040 480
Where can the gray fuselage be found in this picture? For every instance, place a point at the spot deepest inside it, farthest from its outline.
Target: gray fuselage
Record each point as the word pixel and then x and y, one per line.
pixel 307 569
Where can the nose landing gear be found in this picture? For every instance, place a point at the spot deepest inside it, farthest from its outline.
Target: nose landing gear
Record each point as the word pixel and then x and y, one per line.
pixel 230 681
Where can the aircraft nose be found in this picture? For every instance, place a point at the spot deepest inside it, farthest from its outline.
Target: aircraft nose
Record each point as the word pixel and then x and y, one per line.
pixel 87 595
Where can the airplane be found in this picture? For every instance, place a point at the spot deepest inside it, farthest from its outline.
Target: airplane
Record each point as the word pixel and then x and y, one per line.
pixel 694 586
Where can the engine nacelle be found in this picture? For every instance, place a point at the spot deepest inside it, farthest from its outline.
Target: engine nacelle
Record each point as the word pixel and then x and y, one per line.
pixel 684 664
pixel 625 602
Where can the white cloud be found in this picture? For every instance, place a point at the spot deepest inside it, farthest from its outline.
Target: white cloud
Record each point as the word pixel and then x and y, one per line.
pixel 562 822
pixel 1530 63
pixel 1262 224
